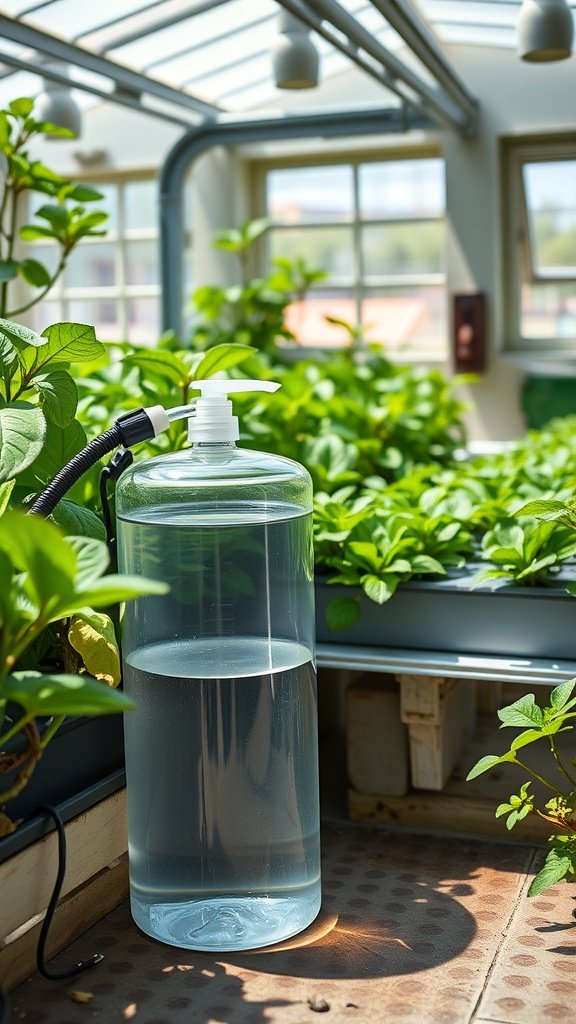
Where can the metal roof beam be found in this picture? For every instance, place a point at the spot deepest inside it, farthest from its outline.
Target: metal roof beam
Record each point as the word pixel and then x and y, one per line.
pixel 124 99
pixel 407 22
pixel 404 82
pixel 124 78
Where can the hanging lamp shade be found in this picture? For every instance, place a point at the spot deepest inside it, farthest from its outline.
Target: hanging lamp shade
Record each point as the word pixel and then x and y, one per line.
pixel 545 30
pixel 58 106
pixel 295 60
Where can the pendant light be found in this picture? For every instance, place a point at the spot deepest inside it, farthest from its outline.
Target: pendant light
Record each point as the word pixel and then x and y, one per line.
pixel 295 59
pixel 545 30
pixel 57 105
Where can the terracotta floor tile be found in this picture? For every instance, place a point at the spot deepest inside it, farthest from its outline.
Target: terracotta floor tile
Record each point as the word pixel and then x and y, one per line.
pixel 534 979
pixel 409 929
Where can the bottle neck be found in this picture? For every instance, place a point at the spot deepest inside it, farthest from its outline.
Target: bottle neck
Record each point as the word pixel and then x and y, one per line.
pixel 213 447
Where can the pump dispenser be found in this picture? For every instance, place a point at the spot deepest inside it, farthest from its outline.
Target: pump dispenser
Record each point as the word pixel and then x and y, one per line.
pixel 221 753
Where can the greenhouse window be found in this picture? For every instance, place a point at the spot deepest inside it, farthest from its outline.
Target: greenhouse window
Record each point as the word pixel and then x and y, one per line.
pixel 376 227
pixel 111 281
pixel 541 284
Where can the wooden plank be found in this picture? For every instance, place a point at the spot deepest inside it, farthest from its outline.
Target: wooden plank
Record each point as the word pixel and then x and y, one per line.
pixel 437 812
pixel 376 739
pixel 94 840
pixel 440 715
pixel 74 915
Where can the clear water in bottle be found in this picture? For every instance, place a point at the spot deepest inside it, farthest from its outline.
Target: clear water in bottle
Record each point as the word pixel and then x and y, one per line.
pixel 222 758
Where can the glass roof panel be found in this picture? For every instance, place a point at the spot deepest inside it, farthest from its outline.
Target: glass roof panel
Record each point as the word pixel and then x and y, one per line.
pixel 76 17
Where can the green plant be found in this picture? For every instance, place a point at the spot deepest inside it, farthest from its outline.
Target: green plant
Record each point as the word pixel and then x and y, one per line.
pixel 51 586
pixel 541 724
pixel 525 553
pixel 62 219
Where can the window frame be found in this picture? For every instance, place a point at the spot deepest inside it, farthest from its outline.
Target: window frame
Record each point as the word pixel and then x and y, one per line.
pixel 121 292
pixel 361 285
pixel 518 262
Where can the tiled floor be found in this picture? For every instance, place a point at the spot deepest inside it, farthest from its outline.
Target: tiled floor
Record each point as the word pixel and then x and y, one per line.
pixel 415 929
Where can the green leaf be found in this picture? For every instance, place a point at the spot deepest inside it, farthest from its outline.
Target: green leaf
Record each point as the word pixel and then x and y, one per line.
pixel 8 270
pixel 34 273
pixel 22 433
pixel 38 549
pixel 342 612
pixel 57 216
pixel 77 521
pixel 71 343
pixel 5 492
pixel 92 560
pixel 59 394
pixel 365 553
pixel 165 365
pixel 93 637
pixel 561 694
pixel 112 589
pixel 486 763
pixel 54 130
pixel 21 107
pixel 84 194
pixel 60 445
pixel 525 738
pixel 32 232
pixel 17 335
pixel 546 510
pixel 379 589
pixel 222 357
pixel 425 563
pixel 521 713
pixel 556 867
pixel 63 695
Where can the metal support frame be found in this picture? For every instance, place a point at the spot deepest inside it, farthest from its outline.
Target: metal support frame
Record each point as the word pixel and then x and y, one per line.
pixel 124 99
pixel 454 109
pixel 124 78
pixel 198 140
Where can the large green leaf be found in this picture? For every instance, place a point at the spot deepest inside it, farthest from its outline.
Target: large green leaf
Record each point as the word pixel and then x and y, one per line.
pixel 34 273
pixel 92 560
pixel 71 343
pixel 222 357
pixel 523 712
pixel 561 694
pixel 61 444
pixel 59 394
pixel 557 866
pixel 22 433
pixel 75 520
pixel 38 549
pixel 488 762
pixel 5 492
pixel 17 335
pixel 112 589
pixel 8 270
pixel 63 694
pixel 342 612
pixel 165 365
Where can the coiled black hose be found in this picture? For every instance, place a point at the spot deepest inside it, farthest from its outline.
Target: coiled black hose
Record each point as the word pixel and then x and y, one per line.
pixel 46 502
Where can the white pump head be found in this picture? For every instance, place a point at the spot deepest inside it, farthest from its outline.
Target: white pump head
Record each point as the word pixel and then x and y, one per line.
pixel 212 418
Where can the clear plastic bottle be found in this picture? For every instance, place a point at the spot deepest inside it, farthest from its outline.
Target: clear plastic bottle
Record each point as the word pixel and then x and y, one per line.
pixel 221 753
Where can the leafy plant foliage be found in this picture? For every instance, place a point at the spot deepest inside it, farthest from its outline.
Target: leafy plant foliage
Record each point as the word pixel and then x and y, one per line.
pixel 541 724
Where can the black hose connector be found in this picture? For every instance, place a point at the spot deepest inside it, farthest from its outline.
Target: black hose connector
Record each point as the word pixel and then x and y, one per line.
pixel 127 431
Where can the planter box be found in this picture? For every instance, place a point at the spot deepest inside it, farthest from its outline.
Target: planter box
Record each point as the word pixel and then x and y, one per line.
pixel 524 622
pixel 83 753
pixel 96 881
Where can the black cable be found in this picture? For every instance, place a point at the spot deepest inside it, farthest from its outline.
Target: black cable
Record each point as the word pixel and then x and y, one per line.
pixel 5 1008
pixel 110 473
pixel 83 965
pixel 46 502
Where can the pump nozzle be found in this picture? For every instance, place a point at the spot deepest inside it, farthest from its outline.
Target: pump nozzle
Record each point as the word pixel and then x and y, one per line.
pixel 212 418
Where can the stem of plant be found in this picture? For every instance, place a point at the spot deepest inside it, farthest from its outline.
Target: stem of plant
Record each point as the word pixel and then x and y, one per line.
pixel 538 777
pixel 51 730
pixel 16 728
pixel 561 767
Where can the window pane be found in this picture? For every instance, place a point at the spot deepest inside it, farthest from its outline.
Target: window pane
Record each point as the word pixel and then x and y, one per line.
pixel 142 263
pixel 414 318
pixel 47 255
pixel 548 311
pixel 307 319
pixel 402 188
pixel 103 314
pixel 551 204
pixel 109 204
pixel 143 321
pixel 45 314
pixel 92 266
pixel 140 205
pixel 310 194
pixel 403 248
pixel 329 249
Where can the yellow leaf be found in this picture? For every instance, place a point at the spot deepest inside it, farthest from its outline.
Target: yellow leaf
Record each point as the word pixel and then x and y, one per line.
pixel 93 637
